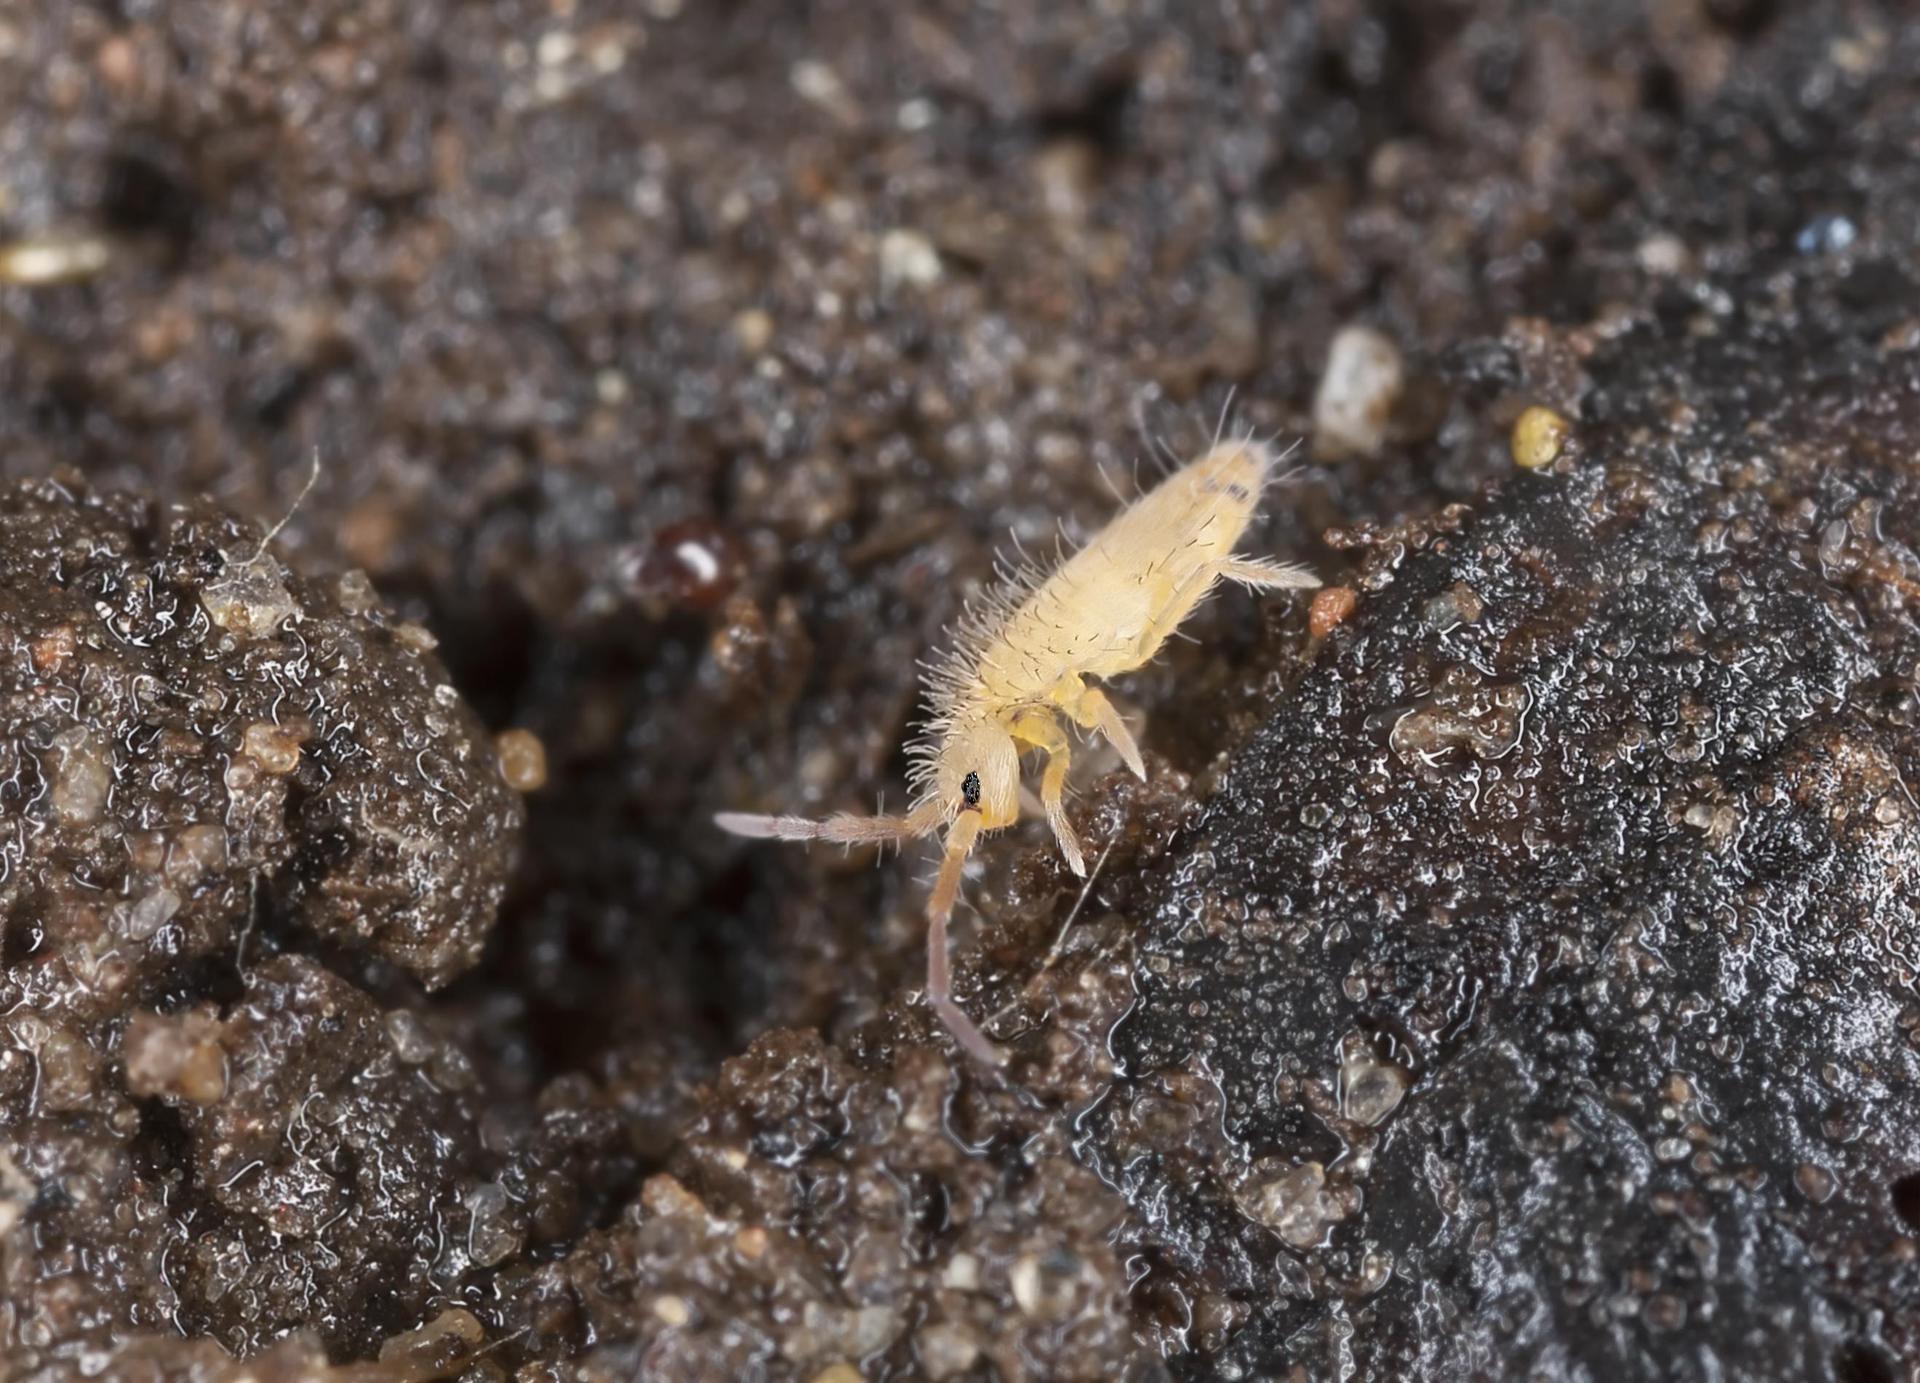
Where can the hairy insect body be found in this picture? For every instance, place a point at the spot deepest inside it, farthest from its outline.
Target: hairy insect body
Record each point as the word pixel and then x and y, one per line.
pixel 1110 606
pixel 1019 667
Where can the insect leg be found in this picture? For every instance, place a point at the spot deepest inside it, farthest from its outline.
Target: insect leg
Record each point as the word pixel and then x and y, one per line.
pixel 1041 730
pixel 946 890
pixel 1094 711
pixel 1264 574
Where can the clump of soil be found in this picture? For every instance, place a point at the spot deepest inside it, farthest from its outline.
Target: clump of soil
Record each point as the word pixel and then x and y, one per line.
pixel 196 739
pixel 218 774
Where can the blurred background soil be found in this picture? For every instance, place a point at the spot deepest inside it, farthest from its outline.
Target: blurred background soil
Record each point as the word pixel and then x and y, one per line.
pixel 674 370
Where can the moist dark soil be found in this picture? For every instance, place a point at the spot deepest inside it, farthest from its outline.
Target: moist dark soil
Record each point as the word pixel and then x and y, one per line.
pixel 1508 970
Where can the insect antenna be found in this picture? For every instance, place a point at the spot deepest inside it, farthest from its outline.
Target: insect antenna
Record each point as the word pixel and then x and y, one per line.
pixel 842 828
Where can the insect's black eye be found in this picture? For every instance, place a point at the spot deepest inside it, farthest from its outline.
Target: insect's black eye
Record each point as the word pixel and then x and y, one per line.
pixel 970 789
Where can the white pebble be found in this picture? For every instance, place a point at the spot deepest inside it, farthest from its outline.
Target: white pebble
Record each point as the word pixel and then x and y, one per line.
pixel 908 257
pixel 1363 380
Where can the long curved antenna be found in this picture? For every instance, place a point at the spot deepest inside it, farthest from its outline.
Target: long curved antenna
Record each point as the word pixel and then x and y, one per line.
pixel 843 828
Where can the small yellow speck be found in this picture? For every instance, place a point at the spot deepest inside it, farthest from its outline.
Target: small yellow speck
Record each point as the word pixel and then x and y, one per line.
pixel 1539 436
pixel 671 1310
pixel 523 759
pixel 751 1242
pixel 753 329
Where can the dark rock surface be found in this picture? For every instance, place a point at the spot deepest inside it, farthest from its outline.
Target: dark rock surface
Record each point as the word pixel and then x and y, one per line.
pixel 1542 974
pixel 1511 978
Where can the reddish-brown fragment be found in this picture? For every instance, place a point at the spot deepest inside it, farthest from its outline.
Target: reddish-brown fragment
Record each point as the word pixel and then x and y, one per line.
pixel 694 564
pixel 1330 609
